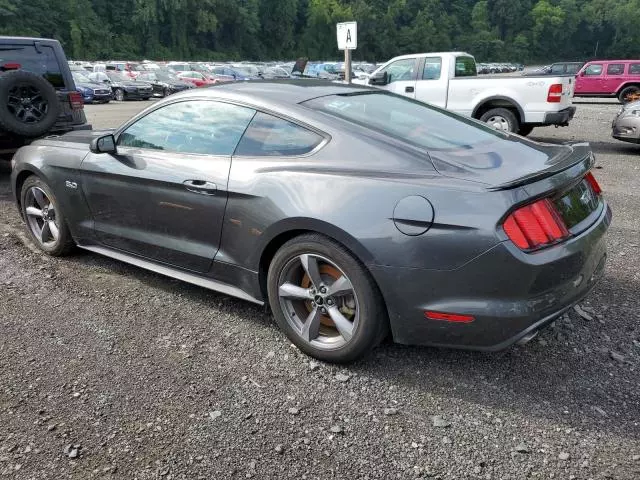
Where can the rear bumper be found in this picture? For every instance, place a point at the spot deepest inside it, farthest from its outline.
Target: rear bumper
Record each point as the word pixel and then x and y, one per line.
pixel 561 118
pixel 510 294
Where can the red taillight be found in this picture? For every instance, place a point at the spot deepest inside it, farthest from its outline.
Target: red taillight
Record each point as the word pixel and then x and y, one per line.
pixel 595 186
pixel 75 100
pixel 535 226
pixel 449 317
pixel 555 93
pixel 11 66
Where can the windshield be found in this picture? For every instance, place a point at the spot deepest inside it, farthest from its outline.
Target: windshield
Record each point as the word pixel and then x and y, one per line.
pixel 117 77
pixel 409 120
pixel 80 78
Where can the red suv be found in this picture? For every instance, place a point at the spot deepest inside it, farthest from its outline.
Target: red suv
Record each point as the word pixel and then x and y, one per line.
pixel 610 78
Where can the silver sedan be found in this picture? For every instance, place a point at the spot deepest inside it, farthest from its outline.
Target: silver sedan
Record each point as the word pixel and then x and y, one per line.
pixel 626 125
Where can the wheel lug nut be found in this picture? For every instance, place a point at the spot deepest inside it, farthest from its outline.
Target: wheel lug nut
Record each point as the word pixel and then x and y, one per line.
pixel 323 290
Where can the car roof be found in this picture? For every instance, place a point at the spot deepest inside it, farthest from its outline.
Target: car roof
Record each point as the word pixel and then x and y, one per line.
pixel 283 92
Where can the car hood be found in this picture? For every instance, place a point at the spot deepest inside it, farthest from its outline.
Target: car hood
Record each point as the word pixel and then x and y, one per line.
pixel 509 162
pixel 631 106
pixel 89 85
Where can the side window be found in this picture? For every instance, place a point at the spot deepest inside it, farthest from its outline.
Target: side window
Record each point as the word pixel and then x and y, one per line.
pixel 465 67
pixel 593 70
pixel 199 127
pixel 271 136
pixel 432 68
pixel 401 70
pixel 615 69
pixel 634 69
pixel 26 57
pixel 557 68
pixel 573 68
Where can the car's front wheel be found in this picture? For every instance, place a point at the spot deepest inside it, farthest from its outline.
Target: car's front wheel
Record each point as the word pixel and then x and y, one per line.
pixel 118 95
pixel 325 300
pixel 45 220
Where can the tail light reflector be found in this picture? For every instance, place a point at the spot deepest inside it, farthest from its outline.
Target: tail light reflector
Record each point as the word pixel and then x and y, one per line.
pixel 555 93
pixel 595 186
pixel 535 226
pixel 449 317
pixel 75 100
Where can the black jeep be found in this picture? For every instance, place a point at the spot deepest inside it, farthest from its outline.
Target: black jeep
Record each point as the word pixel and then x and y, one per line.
pixel 37 94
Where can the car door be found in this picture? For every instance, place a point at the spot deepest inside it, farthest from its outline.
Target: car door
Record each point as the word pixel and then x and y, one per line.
pixel 614 75
pixel 401 76
pixel 163 195
pixel 590 79
pixel 431 87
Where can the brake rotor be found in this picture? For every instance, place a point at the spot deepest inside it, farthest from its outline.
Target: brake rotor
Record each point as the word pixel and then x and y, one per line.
pixel 325 271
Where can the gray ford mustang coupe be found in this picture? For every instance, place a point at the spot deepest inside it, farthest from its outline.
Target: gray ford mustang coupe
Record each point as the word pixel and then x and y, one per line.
pixel 352 211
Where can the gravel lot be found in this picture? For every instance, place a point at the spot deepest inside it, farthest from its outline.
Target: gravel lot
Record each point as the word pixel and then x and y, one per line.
pixel 107 371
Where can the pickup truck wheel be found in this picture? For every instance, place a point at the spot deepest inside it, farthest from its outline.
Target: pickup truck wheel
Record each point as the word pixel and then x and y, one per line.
pixel 629 94
pixel 29 104
pixel 501 119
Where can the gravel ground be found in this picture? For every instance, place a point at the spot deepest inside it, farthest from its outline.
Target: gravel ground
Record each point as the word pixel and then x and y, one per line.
pixel 111 372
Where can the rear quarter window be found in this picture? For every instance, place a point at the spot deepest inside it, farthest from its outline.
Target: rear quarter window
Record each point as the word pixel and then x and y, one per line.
pixel 42 61
pixel 269 136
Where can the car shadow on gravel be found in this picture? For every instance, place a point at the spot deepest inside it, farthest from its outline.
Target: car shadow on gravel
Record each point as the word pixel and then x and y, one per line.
pixel 567 374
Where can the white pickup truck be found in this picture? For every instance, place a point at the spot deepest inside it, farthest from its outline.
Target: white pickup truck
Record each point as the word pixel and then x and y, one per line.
pixel 449 80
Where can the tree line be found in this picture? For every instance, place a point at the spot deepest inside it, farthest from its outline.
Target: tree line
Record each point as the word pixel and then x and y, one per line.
pixel 493 30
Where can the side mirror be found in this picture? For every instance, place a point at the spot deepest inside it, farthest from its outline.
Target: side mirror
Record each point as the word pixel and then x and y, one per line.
pixel 379 78
pixel 104 144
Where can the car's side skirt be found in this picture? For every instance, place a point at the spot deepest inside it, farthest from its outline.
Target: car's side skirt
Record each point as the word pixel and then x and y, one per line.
pixel 174 273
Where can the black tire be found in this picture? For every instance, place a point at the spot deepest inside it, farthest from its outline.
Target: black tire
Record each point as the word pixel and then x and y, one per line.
pixel 525 130
pixel 372 326
pixel 632 91
pixel 119 95
pixel 502 116
pixel 31 119
pixel 165 92
pixel 65 243
pixel 146 98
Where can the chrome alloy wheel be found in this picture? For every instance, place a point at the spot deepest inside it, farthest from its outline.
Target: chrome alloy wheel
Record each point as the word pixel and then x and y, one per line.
pixel 41 217
pixel 318 301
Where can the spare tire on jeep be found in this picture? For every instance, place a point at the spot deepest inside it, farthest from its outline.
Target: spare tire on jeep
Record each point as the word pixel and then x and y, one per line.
pixel 28 104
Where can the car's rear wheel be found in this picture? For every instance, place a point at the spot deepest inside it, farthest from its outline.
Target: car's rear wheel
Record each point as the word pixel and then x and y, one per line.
pixel 118 95
pixel 629 94
pixel 501 119
pixel 324 299
pixel 45 220
pixel 165 92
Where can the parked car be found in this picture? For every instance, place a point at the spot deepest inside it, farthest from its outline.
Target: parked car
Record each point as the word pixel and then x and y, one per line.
pixel 462 236
pixel 234 73
pixel 559 68
pixel 271 73
pixel 123 87
pixel 39 96
pixel 91 91
pixel 626 124
pixel 196 79
pixel 610 79
pixel 448 80
pixel 164 82
pixel 179 67
pixel 126 68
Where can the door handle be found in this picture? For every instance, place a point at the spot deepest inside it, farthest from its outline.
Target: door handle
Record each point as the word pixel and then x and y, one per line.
pixel 200 186
pixel 409 89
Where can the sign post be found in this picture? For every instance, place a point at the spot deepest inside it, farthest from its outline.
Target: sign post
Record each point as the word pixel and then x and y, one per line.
pixel 347 41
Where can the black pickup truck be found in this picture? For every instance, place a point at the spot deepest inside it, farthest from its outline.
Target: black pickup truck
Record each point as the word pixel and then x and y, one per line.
pixel 37 94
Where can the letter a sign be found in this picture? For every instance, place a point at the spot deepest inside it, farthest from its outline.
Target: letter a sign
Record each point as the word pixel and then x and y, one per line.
pixel 347 35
